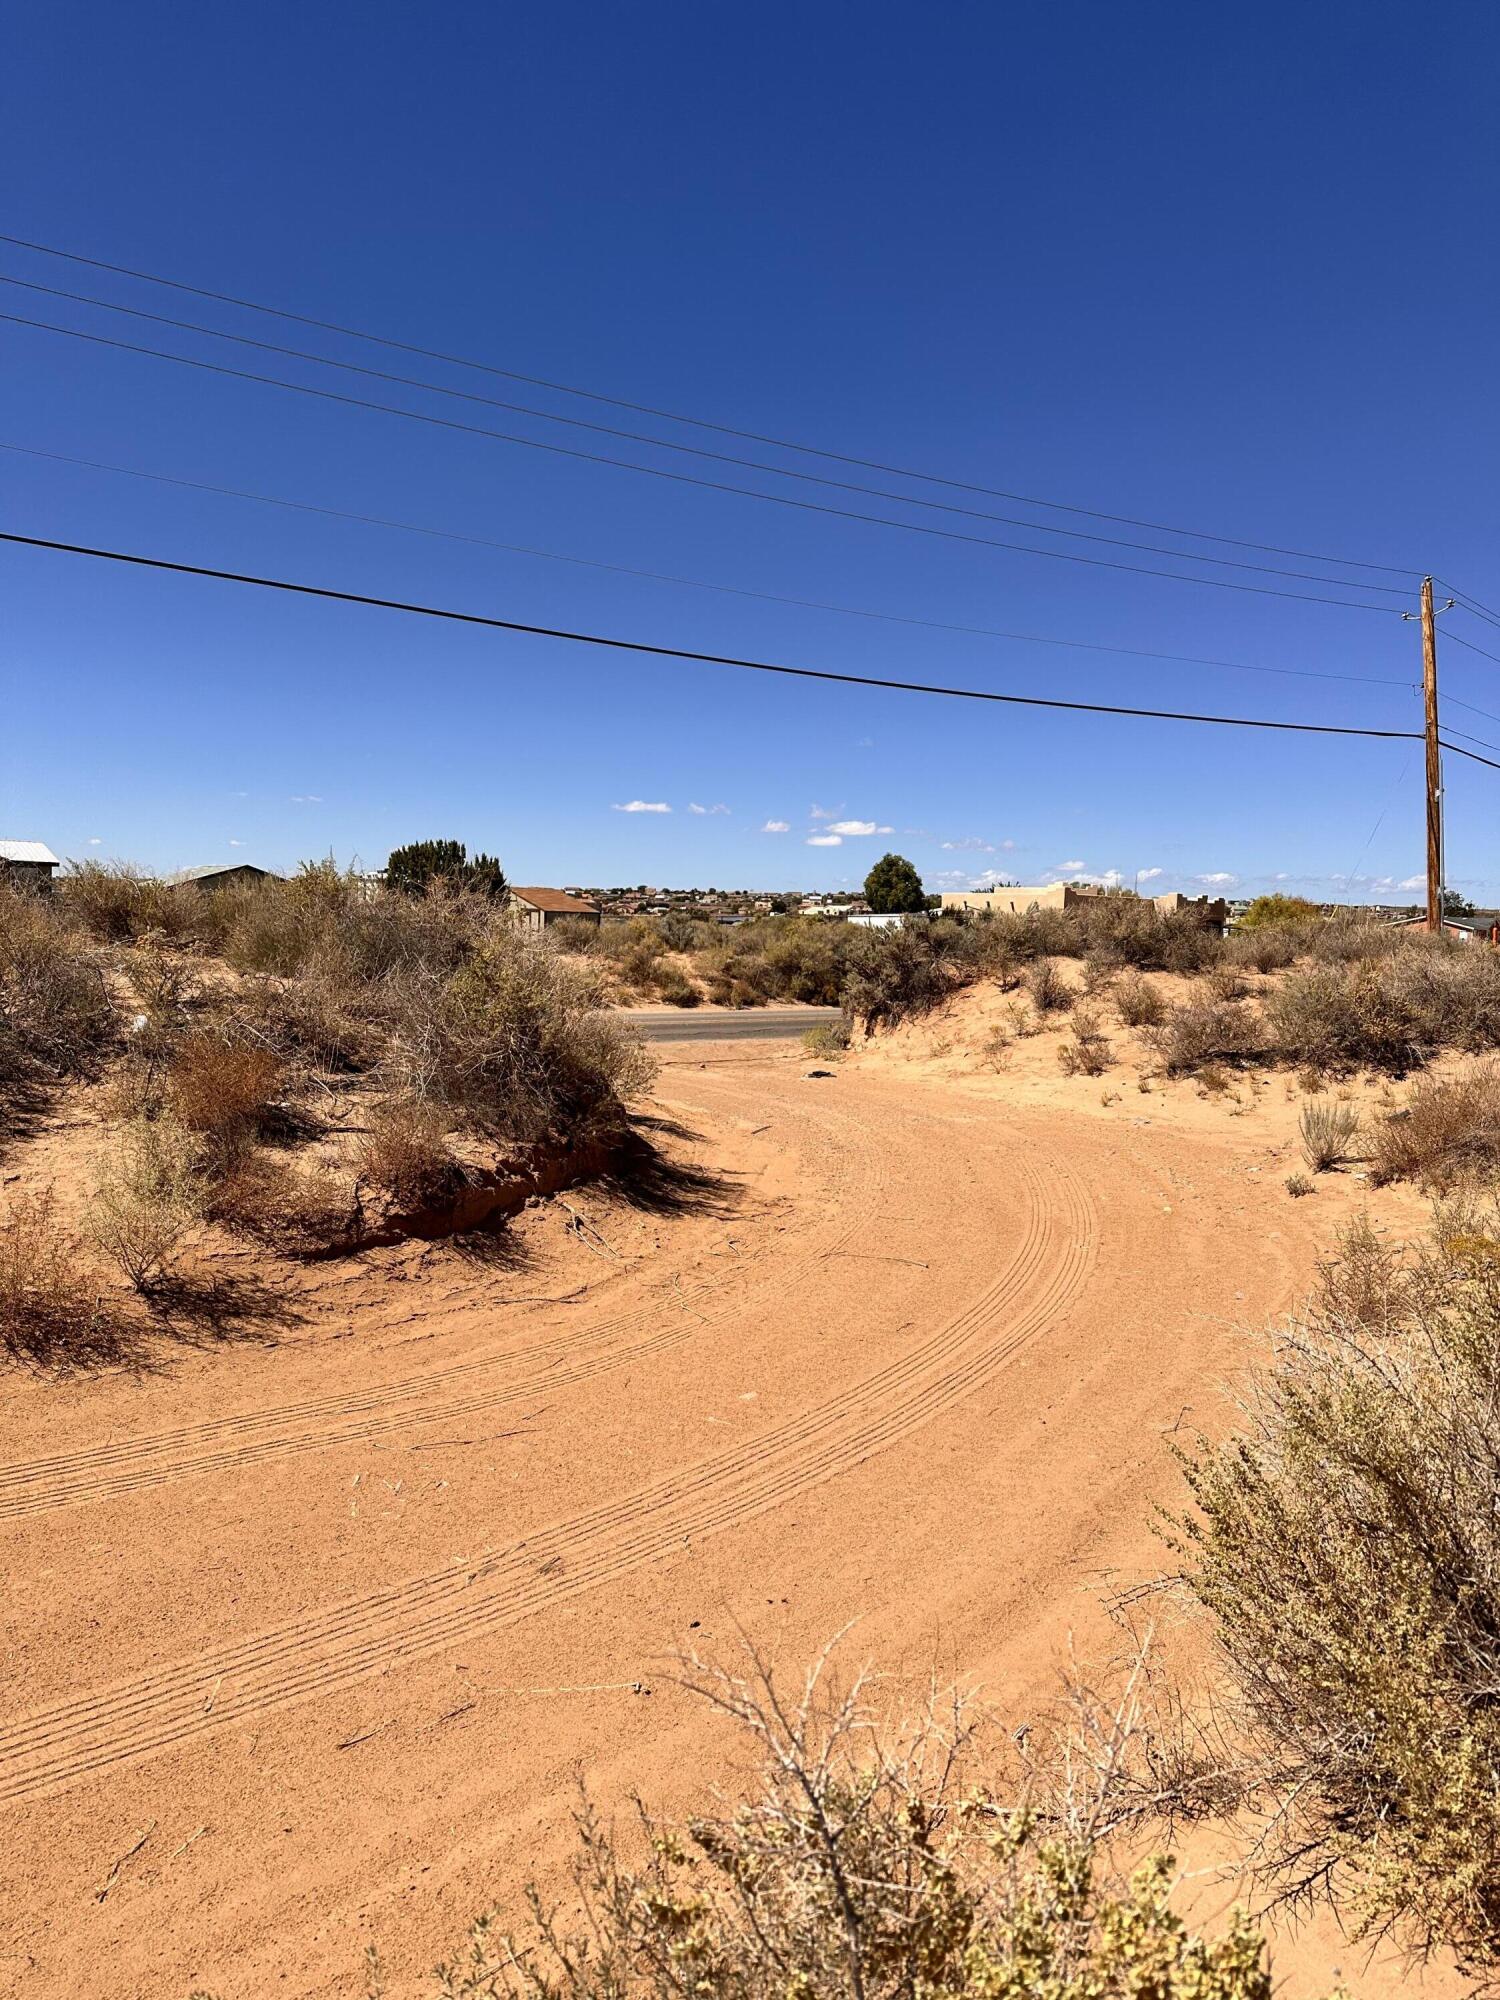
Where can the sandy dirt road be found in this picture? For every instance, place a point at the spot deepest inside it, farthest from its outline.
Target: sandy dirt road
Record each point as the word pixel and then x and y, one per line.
pixel 318 1636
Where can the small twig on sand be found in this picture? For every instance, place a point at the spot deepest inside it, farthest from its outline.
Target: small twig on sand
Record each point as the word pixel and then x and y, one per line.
pixel 580 1226
pixel 881 1257
pixel 196 1835
pixel 349 1741
pixel 114 1874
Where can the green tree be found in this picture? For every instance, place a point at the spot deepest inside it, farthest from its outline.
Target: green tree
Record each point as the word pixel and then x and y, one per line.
pixel 1266 912
pixel 409 869
pixel 893 885
pixel 1455 905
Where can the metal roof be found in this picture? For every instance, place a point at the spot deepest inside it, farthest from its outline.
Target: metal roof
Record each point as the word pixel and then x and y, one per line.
pixel 211 868
pixel 28 850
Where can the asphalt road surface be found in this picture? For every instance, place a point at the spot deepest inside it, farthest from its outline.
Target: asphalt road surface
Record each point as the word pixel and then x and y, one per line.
pixel 727 1024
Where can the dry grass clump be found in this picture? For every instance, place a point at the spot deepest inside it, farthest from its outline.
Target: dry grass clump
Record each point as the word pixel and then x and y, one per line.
pixel 865 1861
pixel 1347 1546
pixel 115 902
pixel 1449 1130
pixel 1204 1032
pixel 51 1309
pixel 1087 1051
pixel 1138 1003
pixel 1049 992
pixel 828 1038
pixel 673 985
pixel 1267 949
pixel 1328 1130
pixel 149 1195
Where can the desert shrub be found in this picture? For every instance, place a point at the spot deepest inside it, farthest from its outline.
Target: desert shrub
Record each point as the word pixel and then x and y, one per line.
pixel 858 1866
pixel 56 1016
pixel 1087 1051
pixel 411 870
pixel 1100 970
pixel 1449 1130
pixel 828 1038
pixel 517 1042
pixel 673 985
pixel 314 1024
pixel 1225 981
pixel 51 1311
pixel 115 902
pixel 147 1198
pixel 222 1088
pixel 1336 1017
pixel 1205 1032
pixel 1347 1547
pixel 574 934
pixel 1298 1184
pixel 899 972
pixel 405 1154
pixel 1270 948
pixel 1049 992
pixel 1328 1130
pixel 1138 1003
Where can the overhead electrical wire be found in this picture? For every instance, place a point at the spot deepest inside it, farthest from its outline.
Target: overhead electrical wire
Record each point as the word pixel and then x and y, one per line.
pixel 653 650
pixel 699 423
pixel 698 451
pixel 1472 605
pixel 687 478
pixel 696 583
pixel 1457 639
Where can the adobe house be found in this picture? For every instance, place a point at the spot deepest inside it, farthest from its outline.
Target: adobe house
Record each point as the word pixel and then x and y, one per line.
pixel 535 909
pixel 27 864
pixel 1014 901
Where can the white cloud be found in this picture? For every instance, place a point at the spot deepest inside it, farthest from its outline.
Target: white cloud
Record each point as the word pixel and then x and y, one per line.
pixel 305 799
pixel 777 826
pixel 1147 874
pixel 825 840
pixel 1070 868
pixel 823 812
pixel 642 806
pixel 855 828
pixel 1413 882
pixel 236 843
pixel 971 845
pixel 706 810
pixel 95 841
pixel 1220 880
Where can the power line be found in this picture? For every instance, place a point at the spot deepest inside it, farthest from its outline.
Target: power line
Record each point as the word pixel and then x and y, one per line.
pixel 1453 701
pixel 699 423
pixel 1459 751
pixel 692 450
pixel 1457 639
pixel 1480 740
pixel 1472 605
pixel 696 583
pixel 708 659
pixel 682 478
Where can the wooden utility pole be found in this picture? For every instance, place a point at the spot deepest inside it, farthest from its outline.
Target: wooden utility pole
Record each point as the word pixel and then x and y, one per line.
pixel 1434 763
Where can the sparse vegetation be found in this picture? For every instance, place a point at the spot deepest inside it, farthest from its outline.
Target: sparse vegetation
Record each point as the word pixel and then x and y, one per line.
pixel 1138 1003
pixel 1207 1032
pixel 52 1312
pixel 828 1038
pixel 1049 991
pixel 148 1197
pixel 1449 1131
pixel 1329 1130
pixel 1298 1184
pixel 866 1862
pixel 1345 1545
pixel 1087 1051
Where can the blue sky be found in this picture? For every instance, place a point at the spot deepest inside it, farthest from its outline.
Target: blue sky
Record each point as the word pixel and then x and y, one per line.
pixel 1232 269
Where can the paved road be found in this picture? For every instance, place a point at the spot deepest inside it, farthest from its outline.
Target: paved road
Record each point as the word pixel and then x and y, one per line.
pixel 727 1024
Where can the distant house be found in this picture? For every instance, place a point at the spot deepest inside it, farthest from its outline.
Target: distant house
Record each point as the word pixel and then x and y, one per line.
pixel 27 864
pixel 1483 927
pixel 535 909
pixel 217 875
pixel 1012 900
pixel 886 920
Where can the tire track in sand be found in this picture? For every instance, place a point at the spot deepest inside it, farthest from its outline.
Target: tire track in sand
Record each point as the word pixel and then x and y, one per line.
pixel 104 1472
pixel 331 1647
